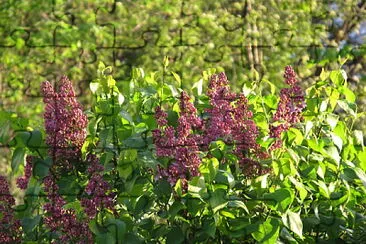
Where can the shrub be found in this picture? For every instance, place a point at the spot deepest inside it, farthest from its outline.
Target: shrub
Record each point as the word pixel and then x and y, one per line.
pixel 151 164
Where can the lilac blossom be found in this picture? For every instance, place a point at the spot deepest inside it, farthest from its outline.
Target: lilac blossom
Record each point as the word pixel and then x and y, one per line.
pixel 22 182
pixel 231 120
pixel 289 109
pixel 65 123
pixel 9 227
pixel 179 144
pixel 97 189
pixel 63 221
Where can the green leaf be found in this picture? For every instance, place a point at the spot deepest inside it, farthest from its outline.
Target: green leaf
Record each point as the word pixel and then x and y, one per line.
pixel 198 86
pixel 121 99
pixel 308 126
pixel 175 236
pixel 261 120
pixel 285 234
pixel 125 170
pixel 312 105
pixel 300 187
pixel 337 141
pixel 284 166
pixel 95 227
pixel 336 77
pixel 101 66
pixel 17 159
pixel 350 96
pixel 194 206
pixel 208 168
pixel 94 86
pixel 178 187
pixel 197 187
pixel 333 154
pixel 358 135
pixel 209 227
pixel 227 214
pixel 177 78
pixel 175 208
pixel 321 171
pixel 35 139
pixel 323 105
pixel 268 231
pixel 163 189
pixel 41 167
pixel 117 228
pixel 69 187
pixel 173 118
pixel 349 108
pixel 76 205
pixel 362 158
pixel 124 114
pixel 218 200
pixel 341 131
pixel 293 222
pixel 333 98
pixel 237 204
pixel 317 145
pixel 323 189
pixel 141 127
pixel 166 61
pixel 127 156
pixel 294 155
pixel 141 204
pixel 271 85
pixel 105 237
pixel 324 75
pixel 28 224
pixel 271 101
pixel 132 238
pixel 135 142
pixel 110 81
pixel 362 175
pixel 225 177
pixel 281 199
pixel 295 135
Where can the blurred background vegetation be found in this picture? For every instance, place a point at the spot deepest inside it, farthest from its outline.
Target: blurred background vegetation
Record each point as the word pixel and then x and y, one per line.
pixel 251 40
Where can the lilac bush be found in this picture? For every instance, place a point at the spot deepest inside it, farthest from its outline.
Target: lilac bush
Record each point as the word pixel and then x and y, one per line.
pixel 96 194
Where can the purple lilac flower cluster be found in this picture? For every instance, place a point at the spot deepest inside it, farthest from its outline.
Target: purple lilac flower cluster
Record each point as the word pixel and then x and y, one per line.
pixel 229 119
pixel 22 182
pixel 181 145
pixel 66 132
pixel 65 123
pixel 97 189
pixel 9 227
pixel 63 221
pixel 232 121
pixel 221 111
pixel 290 107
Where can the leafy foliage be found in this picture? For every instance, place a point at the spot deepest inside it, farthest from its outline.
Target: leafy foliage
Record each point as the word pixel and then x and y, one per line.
pixel 117 189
